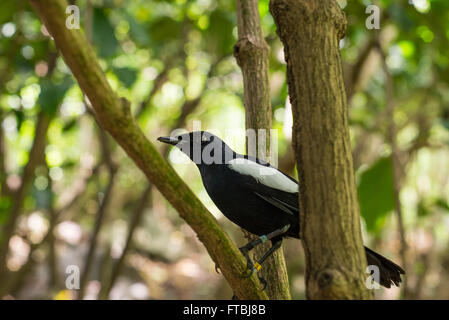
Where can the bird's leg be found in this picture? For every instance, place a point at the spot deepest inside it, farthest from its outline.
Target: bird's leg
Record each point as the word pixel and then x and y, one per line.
pixel 258 264
pixel 245 251
pixel 262 239
pixel 270 251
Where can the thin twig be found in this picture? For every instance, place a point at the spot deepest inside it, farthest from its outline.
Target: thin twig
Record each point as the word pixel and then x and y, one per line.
pixel 397 167
pixel 160 80
pixel 101 214
pixel 35 157
pixel 135 221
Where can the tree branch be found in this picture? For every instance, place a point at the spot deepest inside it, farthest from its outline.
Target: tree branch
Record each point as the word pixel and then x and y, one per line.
pixel 253 56
pixel 397 171
pixel 114 116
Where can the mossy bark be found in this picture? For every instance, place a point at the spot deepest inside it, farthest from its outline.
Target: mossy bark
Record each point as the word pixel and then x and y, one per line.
pixel 114 115
pixel 329 215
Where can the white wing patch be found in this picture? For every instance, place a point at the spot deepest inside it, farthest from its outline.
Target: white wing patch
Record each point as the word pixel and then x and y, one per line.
pixel 268 176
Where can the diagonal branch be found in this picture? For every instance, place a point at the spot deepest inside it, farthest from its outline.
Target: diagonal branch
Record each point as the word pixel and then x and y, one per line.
pixel 114 116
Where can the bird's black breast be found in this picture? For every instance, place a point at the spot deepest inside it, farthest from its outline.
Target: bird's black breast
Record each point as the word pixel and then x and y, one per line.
pixel 230 192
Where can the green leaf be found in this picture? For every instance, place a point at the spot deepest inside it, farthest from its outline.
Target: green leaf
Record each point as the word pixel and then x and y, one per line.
pixel 376 193
pixel 68 164
pixel 52 94
pixel 104 37
pixel 165 29
pixel 218 36
pixel 69 125
pixel 126 75
pixel 5 205
pixel 442 204
pixel 423 209
pixel 138 32
pixel 8 9
pixel 400 17
pixel 20 117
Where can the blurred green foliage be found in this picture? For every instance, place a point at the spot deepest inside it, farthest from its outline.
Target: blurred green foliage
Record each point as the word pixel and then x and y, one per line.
pixel 376 193
pixel 161 55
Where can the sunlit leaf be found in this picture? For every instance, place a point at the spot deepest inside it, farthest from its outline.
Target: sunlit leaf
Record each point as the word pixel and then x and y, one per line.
pixel 376 193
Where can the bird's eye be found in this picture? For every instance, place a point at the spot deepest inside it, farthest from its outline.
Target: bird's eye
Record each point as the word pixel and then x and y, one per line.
pixel 204 139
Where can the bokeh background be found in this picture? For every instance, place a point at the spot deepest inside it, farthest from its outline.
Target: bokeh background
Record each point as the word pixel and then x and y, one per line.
pixel 71 197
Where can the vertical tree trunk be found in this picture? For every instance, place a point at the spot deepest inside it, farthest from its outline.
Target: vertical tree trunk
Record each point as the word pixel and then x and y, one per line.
pixel 329 215
pixel 252 54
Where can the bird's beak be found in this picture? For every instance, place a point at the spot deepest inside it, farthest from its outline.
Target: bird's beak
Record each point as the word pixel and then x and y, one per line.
pixel 170 140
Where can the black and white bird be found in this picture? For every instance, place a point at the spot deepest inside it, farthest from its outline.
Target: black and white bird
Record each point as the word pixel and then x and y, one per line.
pixel 257 197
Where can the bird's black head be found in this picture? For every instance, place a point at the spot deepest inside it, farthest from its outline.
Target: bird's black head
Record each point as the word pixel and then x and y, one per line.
pixel 201 147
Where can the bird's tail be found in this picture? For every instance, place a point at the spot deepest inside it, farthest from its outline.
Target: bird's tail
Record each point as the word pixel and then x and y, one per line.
pixel 390 272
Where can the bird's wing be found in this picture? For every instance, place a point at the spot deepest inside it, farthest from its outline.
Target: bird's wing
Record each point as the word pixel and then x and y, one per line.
pixel 268 183
pixel 288 204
